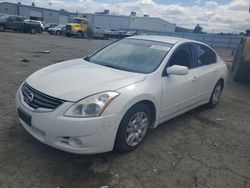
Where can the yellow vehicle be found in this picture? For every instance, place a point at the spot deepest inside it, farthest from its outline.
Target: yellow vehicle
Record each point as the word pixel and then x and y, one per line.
pixel 77 28
pixel 241 65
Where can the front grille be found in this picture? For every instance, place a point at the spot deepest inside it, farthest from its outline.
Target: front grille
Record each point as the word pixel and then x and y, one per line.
pixel 68 27
pixel 36 99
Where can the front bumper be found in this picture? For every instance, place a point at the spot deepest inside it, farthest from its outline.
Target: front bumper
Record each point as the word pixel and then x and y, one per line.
pixel 74 135
pixel 71 33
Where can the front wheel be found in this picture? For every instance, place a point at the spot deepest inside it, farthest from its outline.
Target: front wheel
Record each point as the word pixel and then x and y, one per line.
pixel 215 97
pixel 79 34
pixel 133 128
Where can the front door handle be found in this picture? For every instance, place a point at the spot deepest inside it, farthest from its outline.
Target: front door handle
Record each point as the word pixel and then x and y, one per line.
pixel 196 78
pixel 217 71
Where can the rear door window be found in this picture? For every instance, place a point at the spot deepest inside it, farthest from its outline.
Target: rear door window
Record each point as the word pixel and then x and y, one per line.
pixel 204 55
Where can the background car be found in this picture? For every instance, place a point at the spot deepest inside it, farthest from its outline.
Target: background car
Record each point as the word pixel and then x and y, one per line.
pixel 41 24
pixel 18 23
pixel 58 30
pixel 50 25
pixel 110 99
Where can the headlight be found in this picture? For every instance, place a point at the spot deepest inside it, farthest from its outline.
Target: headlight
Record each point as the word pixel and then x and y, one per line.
pixel 91 106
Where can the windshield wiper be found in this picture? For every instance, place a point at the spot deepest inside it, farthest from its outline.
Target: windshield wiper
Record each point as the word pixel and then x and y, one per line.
pixel 87 58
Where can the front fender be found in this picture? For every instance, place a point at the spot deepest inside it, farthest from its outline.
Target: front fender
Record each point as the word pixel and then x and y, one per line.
pixel 133 94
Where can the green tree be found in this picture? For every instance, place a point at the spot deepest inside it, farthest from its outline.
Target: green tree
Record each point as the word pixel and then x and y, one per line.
pixel 198 29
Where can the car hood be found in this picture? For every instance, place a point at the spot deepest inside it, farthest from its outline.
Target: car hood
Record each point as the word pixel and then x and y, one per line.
pixel 73 24
pixel 76 79
pixel 53 29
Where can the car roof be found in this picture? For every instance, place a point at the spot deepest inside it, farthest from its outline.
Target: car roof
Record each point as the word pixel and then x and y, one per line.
pixel 14 16
pixel 165 39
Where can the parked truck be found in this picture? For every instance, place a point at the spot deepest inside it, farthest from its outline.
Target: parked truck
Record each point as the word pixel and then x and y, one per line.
pixel 78 28
pixel 241 65
pixel 18 23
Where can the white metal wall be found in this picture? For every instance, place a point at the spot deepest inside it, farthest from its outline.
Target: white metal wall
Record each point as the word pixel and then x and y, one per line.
pixel 36 13
pixel 130 22
pixel 218 41
pixel 109 21
pixel 63 19
pixel 151 24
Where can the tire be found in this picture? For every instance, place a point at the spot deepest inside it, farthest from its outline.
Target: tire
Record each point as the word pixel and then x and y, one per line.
pixel 133 128
pixel 32 30
pixel 2 28
pixel 215 97
pixel 58 33
pixel 79 34
pixel 84 35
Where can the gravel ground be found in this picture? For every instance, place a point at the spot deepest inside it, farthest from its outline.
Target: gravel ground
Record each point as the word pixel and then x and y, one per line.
pixel 202 148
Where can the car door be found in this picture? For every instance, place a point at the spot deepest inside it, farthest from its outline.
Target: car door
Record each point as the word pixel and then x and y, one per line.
pixel 10 23
pixel 19 23
pixel 205 63
pixel 179 92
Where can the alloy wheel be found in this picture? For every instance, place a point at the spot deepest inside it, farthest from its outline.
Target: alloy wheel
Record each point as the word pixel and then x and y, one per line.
pixel 136 129
pixel 216 94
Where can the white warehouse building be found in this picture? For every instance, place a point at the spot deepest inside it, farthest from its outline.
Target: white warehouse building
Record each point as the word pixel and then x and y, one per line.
pixel 101 20
pixel 145 23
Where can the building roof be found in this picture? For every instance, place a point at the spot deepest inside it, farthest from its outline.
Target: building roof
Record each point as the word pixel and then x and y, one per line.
pixel 35 7
pixel 165 39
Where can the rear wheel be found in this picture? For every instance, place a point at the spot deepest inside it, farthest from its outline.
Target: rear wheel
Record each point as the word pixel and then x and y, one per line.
pixel 33 30
pixel 84 35
pixel 2 28
pixel 133 128
pixel 215 97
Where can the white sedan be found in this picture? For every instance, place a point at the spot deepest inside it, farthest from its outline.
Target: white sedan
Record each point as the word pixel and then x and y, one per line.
pixel 110 99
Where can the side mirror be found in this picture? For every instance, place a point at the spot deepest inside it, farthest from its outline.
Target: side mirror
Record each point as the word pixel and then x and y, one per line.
pixel 177 70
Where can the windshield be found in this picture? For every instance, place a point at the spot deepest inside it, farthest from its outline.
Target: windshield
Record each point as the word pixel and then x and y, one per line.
pixel 78 21
pixel 132 55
